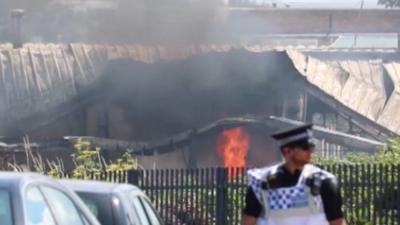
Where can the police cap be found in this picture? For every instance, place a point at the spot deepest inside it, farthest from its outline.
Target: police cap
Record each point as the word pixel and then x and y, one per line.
pixel 301 136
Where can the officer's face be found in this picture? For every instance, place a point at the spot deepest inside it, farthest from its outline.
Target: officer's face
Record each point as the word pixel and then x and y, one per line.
pixel 300 155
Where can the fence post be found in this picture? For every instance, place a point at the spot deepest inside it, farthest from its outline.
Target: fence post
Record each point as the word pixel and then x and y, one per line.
pixel 222 196
pixel 133 177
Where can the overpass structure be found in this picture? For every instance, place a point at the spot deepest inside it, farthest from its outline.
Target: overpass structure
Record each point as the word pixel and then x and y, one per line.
pixel 221 25
pixel 317 21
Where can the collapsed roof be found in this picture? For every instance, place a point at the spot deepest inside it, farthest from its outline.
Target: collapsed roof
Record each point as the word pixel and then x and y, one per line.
pixel 366 85
pixel 39 81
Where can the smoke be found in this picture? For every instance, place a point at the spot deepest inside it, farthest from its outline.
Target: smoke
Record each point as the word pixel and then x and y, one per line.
pixel 146 22
pixel 119 21
pixel 172 22
pixel 166 98
pixel 166 22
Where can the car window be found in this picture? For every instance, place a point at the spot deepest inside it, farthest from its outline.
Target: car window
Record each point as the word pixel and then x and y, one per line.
pixel 38 212
pixel 5 208
pixel 91 206
pixel 100 205
pixel 151 213
pixel 140 211
pixel 64 209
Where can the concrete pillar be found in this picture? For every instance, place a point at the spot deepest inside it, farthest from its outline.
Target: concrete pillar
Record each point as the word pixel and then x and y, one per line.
pixel 398 41
pixel 16 16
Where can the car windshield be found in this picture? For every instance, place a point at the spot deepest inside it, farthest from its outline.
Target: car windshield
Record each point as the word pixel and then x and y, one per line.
pixel 5 208
pixel 100 205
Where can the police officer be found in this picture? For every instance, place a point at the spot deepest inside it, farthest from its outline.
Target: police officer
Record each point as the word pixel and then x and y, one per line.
pixel 293 192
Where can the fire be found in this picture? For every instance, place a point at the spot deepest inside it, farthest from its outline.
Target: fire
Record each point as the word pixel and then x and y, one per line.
pixel 232 146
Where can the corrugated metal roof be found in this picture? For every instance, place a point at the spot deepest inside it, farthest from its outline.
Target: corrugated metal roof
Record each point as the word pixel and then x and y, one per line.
pixel 390 114
pixel 357 84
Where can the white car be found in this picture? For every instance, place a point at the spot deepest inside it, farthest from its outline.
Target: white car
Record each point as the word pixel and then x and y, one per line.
pixel 116 204
pixel 33 199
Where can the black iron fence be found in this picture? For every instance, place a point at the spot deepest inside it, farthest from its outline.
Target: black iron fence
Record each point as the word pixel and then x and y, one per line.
pixel 196 196
pixel 215 196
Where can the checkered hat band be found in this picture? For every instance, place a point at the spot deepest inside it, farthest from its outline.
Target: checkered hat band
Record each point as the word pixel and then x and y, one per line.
pixel 293 138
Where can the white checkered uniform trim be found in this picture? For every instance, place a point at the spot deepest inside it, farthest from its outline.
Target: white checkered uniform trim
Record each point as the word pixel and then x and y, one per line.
pixel 256 177
pixel 288 198
pixel 282 198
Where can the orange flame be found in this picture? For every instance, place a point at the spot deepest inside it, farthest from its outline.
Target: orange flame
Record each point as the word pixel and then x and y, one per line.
pixel 232 146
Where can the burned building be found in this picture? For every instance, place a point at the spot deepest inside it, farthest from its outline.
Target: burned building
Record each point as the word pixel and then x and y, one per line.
pixel 180 107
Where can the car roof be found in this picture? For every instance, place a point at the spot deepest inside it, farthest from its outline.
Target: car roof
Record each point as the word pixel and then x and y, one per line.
pixel 19 178
pixel 97 186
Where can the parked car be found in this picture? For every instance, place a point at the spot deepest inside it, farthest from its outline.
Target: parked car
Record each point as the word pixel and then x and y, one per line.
pixel 33 199
pixel 116 204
